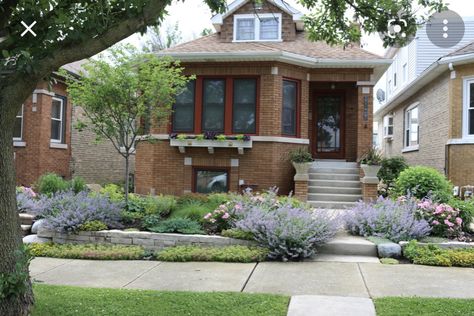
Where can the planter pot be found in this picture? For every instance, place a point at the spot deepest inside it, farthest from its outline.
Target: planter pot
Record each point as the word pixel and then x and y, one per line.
pixel 370 171
pixel 302 170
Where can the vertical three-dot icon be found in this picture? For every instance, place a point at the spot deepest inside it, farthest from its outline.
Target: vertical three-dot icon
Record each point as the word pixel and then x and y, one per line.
pixel 445 28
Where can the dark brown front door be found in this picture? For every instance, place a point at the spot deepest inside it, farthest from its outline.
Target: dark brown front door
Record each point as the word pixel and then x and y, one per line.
pixel 328 128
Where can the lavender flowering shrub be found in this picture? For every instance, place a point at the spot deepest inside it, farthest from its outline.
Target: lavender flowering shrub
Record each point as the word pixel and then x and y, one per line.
pixel 67 211
pixel 26 199
pixel 289 233
pixel 386 218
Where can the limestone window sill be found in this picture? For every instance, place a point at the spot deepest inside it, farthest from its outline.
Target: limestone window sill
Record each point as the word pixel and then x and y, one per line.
pixel 410 149
pixel 19 144
pixel 57 145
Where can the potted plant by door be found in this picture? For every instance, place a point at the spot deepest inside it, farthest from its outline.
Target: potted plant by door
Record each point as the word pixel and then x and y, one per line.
pixel 371 163
pixel 301 160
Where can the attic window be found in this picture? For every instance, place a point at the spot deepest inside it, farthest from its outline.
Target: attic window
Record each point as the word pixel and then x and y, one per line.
pixel 257 27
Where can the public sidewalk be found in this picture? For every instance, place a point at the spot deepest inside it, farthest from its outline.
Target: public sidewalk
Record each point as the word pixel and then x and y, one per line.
pixel 326 283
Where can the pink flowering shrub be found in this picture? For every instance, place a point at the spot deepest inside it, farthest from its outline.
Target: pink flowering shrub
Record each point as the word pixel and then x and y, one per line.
pixel 26 199
pixel 219 219
pixel 443 218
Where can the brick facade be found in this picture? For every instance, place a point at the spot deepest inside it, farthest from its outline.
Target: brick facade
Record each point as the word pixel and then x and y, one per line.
pixel 96 162
pixel 34 155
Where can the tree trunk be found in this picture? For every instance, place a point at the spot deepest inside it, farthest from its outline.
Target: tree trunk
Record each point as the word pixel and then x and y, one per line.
pixel 127 178
pixel 10 233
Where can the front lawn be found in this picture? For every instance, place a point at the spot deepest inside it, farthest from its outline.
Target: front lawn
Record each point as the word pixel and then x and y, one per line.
pixel 401 306
pixel 65 300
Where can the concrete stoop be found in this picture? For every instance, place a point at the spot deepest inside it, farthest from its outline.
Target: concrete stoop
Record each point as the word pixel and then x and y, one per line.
pixel 311 305
pixel 334 184
pixel 347 248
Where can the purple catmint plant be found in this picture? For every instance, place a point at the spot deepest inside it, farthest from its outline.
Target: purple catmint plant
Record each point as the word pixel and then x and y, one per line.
pixel 66 211
pixel 289 233
pixel 393 219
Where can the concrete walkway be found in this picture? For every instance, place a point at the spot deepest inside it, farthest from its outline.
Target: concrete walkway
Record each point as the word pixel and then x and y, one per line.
pixel 363 280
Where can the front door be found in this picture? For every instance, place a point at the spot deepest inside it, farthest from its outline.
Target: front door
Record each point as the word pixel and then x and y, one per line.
pixel 328 128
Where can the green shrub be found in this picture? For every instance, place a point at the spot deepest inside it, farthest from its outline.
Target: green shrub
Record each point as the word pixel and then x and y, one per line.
pixel 51 183
pixel 162 205
pixel 90 226
pixel 391 168
pixel 87 251
pixel 216 199
pixel 177 225
pixel 237 234
pixel 389 261
pixel 373 157
pixel 223 254
pixel 150 221
pixel 78 184
pixel 114 192
pixel 422 182
pixel 192 198
pixel 132 218
pixel 435 256
pixel 192 210
pixel 467 210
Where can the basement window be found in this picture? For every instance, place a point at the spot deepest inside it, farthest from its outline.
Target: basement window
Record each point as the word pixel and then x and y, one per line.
pixel 211 180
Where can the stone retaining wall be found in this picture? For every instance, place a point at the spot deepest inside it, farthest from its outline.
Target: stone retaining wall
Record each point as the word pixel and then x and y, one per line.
pixel 148 240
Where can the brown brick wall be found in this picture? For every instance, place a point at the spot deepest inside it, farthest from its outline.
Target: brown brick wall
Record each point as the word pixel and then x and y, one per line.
pixel 161 166
pixel 433 122
pixel 369 191
pixel 95 162
pixel 37 157
pixel 288 26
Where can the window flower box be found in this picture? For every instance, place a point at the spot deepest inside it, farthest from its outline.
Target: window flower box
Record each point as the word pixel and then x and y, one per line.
pixel 211 142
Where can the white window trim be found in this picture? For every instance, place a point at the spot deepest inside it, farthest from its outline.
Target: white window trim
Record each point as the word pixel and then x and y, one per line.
pixel 57 145
pixel 413 147
pixel 467 81
pixel 61 115
pixel 386 125
pixel 257 18
pixel 19 139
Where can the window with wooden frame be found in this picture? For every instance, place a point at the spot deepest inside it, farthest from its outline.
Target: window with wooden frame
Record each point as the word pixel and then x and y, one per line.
pixel 224 105
pixel 210 180
pixel 290 107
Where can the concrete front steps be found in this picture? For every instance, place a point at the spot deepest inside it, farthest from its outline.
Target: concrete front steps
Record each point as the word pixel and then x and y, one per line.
pixel 334 184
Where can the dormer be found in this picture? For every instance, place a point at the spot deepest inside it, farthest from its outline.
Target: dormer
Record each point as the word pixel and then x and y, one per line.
pixel 258 21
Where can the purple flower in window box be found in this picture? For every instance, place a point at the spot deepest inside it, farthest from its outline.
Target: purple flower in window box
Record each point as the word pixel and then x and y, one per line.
pixel 173 135
pixel 210 135
pixel 246 138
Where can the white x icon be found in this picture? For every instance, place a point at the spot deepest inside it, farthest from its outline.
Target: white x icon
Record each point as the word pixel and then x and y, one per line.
pixel 28 28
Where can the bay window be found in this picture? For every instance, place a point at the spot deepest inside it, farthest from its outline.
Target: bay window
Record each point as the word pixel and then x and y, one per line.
pixel 213 105
pixel 261 27
pixel 183 109
pixel 290 108
pixel 412 127
pixel 244 106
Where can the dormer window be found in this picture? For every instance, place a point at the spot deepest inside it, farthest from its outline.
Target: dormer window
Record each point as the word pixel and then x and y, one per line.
pixel 257 27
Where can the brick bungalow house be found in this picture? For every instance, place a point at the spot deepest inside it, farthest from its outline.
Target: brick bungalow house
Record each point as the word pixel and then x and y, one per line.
pixel 430 121
pixel 259 75
pixel 45 140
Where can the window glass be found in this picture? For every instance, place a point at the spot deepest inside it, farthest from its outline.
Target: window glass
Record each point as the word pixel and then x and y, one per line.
pixel 57 120
pixel 183 110
pixel 208 181
pixel 18 127
pixel 269 28
pixel 289 107
pixel 245 29
pixel 411 127
pixel 213 105
pixel 471 121
pixel 244 106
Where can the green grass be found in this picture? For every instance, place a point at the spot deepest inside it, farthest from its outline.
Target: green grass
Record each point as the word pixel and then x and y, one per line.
pixel 400 306
pixel 66 300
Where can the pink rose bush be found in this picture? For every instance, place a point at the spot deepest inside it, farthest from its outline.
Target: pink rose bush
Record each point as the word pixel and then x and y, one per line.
pixel 219 219
pixel 443 218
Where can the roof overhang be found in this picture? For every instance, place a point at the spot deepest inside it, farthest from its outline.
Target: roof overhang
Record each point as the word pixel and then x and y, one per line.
pixel 218 19
pixel 429 74
pixel 379 65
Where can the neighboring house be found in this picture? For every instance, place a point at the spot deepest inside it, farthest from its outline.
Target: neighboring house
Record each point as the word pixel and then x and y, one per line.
pixel 45 140
pixel 431 121
pixel 259 75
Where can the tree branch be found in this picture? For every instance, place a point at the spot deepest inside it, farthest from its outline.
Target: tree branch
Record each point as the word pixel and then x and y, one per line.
pixel 6 9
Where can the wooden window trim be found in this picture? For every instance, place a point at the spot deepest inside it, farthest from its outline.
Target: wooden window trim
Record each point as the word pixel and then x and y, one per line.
pixel 298 108
pixel 209 168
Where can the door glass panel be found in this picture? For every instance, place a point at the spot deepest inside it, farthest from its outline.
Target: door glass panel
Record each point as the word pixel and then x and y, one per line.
pixel 328 124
